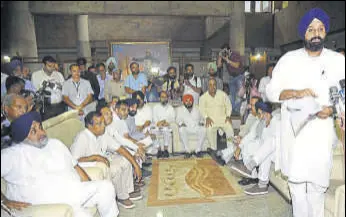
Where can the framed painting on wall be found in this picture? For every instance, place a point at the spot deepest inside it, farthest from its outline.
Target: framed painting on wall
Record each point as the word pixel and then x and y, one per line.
pixel 153 57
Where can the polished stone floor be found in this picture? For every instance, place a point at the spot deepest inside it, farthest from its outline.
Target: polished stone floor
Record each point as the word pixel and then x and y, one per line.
pixel 269 205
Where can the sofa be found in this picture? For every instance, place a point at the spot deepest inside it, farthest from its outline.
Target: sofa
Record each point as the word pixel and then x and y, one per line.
pixel 63 127
pixel 177 145
pixel 335 195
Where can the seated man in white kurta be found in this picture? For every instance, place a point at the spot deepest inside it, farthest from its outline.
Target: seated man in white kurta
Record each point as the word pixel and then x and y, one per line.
pixel 263 154
pixel 39 170
pixel 163 116
pixel 216 108
pixel 224 156
pixel 144 116
pixel 92 145
pixel 190 121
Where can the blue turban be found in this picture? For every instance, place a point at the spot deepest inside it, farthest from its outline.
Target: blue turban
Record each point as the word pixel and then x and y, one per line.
pixel 317 13
pixel 20 127
pixel 264 106
pixel 15 63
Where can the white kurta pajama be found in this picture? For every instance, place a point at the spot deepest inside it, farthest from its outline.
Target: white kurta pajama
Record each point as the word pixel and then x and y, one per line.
pixel 309 155
pixel 217 108
pixel 121 173
pixel 161 113
pixel 191 120
pixel 47 176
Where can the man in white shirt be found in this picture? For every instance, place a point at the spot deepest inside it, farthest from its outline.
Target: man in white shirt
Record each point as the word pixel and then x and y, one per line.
pixel 53 81
pixel 39 171
pixel 144 116
pixel 302 73
pixel 224 156
pixel 77 93
pixel 192 83
pixel 163 117
pixel 216 108
pixel 92 144
pixel 263 154
pixel 265 81
pixel 190 121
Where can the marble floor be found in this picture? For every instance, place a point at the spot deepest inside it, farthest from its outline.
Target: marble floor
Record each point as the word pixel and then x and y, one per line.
pixel 269 205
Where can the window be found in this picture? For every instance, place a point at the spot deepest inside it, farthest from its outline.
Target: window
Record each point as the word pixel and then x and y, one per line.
pixel 247 6
pixel 263 6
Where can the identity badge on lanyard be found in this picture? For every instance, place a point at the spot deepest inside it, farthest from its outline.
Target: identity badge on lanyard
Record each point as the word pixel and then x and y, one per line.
pixel 76 85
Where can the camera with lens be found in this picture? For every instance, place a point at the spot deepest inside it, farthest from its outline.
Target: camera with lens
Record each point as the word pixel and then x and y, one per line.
pixel 225 53
pixel 40 98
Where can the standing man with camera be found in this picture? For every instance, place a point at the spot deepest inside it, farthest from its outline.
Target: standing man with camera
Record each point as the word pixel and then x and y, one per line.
pixel 230 66
pixel 53 81
pixel 300 75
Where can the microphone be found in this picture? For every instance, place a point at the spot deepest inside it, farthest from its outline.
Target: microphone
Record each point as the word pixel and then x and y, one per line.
pixel 334 99
pixel 342 94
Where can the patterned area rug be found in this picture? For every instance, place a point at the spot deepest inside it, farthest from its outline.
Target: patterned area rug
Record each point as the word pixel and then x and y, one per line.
pixel 177 181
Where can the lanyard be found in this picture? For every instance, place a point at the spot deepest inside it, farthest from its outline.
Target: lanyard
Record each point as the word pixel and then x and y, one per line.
pixel 76 85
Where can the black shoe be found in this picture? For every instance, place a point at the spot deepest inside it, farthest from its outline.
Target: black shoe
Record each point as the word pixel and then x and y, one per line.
pixel 146 164
pixel 165 154
pixel 187 155
pixel 210 151
pixel 199 154
pixel 247 181
pixel 146 173
pixel 159 154
pixel 216 158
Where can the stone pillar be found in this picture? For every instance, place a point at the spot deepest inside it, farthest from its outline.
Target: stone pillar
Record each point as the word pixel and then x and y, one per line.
pixel 22 36
pixel 237 27
pixel 83 44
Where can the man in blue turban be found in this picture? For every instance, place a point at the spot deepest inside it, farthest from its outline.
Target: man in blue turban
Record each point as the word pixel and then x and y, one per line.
pixel 308 72
pixel 40 170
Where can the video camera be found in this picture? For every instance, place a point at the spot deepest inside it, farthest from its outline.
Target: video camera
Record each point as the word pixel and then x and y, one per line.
pixel 40 98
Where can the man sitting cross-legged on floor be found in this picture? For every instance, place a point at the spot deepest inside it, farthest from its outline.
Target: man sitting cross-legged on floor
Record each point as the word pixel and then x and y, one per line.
pixel 39 170
pixel 92 144
pixel 190 121
pixel 265 152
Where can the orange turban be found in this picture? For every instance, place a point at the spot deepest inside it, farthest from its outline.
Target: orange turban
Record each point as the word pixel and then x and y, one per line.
pixel 186 97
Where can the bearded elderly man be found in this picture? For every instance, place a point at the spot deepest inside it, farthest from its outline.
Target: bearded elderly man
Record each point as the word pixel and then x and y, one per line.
pixel 216 108
pixel 308 154
pixel 190 121
pixel 92 144
pixel 163 117
pixel 40 170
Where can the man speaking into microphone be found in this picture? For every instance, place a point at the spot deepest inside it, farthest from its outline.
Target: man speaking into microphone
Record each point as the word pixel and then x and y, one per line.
pixel 299 74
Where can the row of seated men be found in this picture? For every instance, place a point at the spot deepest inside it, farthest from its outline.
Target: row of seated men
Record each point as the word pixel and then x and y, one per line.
pixel 107 139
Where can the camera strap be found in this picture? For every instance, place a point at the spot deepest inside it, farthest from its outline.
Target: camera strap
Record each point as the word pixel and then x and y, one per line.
pixel 76 85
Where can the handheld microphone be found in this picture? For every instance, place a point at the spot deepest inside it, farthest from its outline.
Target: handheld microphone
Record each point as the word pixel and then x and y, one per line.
pixel 334 99
pixel 342 94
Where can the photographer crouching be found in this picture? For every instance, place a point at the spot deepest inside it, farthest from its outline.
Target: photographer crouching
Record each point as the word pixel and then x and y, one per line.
pixel 230 69
pixel 49 83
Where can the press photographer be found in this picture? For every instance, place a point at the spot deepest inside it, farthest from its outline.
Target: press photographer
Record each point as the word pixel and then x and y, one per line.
pixel 230 69
pixel 54 81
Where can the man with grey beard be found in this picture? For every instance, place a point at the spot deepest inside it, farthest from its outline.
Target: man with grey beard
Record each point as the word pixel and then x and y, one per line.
pixel 39 170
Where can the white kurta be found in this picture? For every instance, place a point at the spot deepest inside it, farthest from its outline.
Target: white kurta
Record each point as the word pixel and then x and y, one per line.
pixel 309 155
pixel 144 114
pixel 161 112
pixel 247 126
pixel 262 87
pixel 191 120
pixel 195 82
pixel 47 176
pixel 87 144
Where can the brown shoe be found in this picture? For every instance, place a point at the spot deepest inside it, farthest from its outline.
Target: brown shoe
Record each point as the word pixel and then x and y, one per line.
pixel 135 196
pixel 127 204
